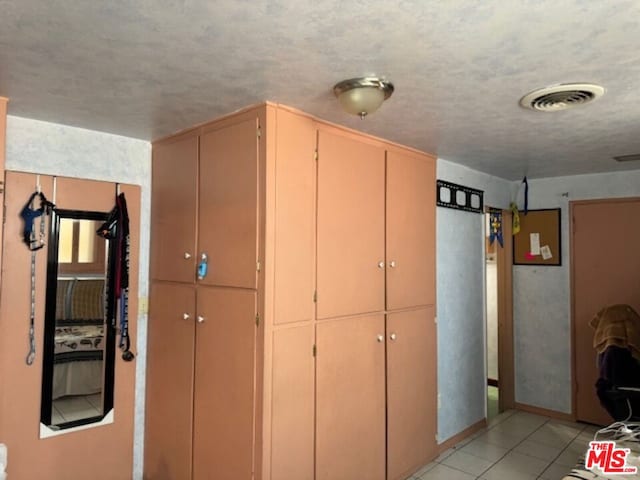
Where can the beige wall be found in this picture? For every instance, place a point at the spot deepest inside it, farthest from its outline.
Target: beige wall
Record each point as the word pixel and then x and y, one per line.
pixel 104 452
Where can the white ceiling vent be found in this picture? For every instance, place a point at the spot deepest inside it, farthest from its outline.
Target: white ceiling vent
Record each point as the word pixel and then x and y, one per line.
pixel 561 97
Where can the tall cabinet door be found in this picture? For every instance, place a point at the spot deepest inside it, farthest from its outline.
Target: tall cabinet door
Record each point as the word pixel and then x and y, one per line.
pixel 169 419
pixel 228 216
pixel 411 225
pixel 350 406
pixel 173 210
pixel 224 380
pixel 411 391
pixel 350 264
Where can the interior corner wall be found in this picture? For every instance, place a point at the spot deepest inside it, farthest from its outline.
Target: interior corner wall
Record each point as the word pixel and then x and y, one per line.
pixel 542 295
pixel 47 148
pixel 460 269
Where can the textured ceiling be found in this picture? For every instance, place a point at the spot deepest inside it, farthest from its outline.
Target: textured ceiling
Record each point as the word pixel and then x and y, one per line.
pixel 147 68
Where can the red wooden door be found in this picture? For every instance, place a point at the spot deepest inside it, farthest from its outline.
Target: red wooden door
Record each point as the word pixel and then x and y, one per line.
pixel 168 427
pixel 350 390
pixel 224 381
pixel 411 391
pixel 228 200
pixel 606 271
pixel 173 210
pixel 411 226
pixel 350 258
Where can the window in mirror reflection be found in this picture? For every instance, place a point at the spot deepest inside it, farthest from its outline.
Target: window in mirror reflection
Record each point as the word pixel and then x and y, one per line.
pixel 78 370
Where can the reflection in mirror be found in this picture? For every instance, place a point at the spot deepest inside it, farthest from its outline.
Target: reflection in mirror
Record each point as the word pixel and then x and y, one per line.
pixel 78 365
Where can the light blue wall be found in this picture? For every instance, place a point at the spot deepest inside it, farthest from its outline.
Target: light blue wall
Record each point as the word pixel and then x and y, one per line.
pixel 460 301
pixel 52 149
pixel 541 295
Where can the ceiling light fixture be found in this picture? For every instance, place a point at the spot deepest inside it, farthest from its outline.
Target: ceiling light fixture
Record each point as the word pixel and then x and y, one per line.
pixel 362 96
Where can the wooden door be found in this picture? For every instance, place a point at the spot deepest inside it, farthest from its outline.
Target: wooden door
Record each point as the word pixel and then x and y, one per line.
pixel 293 404
pixel 228 215
pixel 350 256
pixel 411 213
pixel 350 403
pixel 3 131
pixel 173 210
pixel 224 380
pixel 294 218
pixel 411 391
pixel 170 376
pixel 605 271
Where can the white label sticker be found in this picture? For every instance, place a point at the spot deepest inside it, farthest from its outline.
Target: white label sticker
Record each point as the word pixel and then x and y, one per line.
pixel 546 252
pixel 534 238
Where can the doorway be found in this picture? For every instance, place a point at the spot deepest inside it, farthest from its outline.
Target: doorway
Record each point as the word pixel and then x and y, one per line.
pixel 499 314
pixel 605 270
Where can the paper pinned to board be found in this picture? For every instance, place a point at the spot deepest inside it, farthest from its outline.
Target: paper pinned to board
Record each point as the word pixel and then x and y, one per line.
pixel 534 240
pixel 546 252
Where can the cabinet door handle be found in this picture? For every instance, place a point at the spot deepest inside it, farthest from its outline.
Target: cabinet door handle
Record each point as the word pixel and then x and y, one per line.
pixel 380 264
pixel 392 264
pixel 393 337
pixel 203 266
pixel 187 255
pixel 380 338
pixel 186 316
pixel 201 319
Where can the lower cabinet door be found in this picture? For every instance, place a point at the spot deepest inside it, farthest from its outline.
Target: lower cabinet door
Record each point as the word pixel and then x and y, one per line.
pixel 292 404
pixel 411 391
pixel 350 396
pixel 224 384
pixel 169 409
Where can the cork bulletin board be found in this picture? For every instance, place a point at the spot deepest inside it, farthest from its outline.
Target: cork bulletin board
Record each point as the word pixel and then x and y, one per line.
pixel 538 242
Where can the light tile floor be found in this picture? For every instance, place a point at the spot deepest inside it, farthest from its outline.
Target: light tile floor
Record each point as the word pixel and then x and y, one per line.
pixel 68 409
pixel 515 446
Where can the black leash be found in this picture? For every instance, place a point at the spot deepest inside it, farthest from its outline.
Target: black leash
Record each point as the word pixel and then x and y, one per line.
pixel 34 242
pixel 116 228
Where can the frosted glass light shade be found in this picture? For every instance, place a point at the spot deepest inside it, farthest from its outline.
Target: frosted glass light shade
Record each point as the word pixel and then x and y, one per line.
pixel 361 101
pixel 362 96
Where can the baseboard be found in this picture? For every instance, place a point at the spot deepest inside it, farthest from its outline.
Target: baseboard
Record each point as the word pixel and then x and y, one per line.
pixel 467 432
pixel 567 417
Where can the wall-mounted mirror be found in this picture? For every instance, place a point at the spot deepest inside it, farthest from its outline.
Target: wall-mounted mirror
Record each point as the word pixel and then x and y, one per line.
pixel 79 343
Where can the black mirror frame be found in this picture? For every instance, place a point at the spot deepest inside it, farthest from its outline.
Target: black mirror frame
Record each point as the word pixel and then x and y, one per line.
pixel 48 350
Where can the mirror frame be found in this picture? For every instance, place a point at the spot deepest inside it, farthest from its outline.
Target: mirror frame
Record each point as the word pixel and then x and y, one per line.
pixel 50 321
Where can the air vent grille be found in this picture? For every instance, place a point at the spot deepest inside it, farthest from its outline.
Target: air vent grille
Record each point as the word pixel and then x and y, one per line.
pixel 561 97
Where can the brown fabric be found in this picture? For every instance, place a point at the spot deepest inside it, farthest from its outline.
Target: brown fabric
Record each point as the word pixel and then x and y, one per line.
pixel 617 325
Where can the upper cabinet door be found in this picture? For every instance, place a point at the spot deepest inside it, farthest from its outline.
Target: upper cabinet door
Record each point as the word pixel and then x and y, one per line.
pixel 173 210
pixel 295 216
pixel 410 230
pixel 350 265
pixel 228 215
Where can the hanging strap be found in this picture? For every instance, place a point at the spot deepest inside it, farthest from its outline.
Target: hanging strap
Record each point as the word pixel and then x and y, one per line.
pixel 116 228
pixel 32 331
pixel 35 242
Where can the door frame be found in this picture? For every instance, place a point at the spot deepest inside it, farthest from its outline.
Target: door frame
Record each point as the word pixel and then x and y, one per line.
pixel 572 204
pixel 504 266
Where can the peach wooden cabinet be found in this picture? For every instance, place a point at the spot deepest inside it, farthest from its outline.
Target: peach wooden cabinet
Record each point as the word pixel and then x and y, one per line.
pixel 308 351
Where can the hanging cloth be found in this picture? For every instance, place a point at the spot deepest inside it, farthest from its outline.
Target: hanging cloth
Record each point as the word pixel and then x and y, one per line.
pixel 495 227
pixel 34 241
pixel 526 195
pixel 516 218
pixel 116 229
